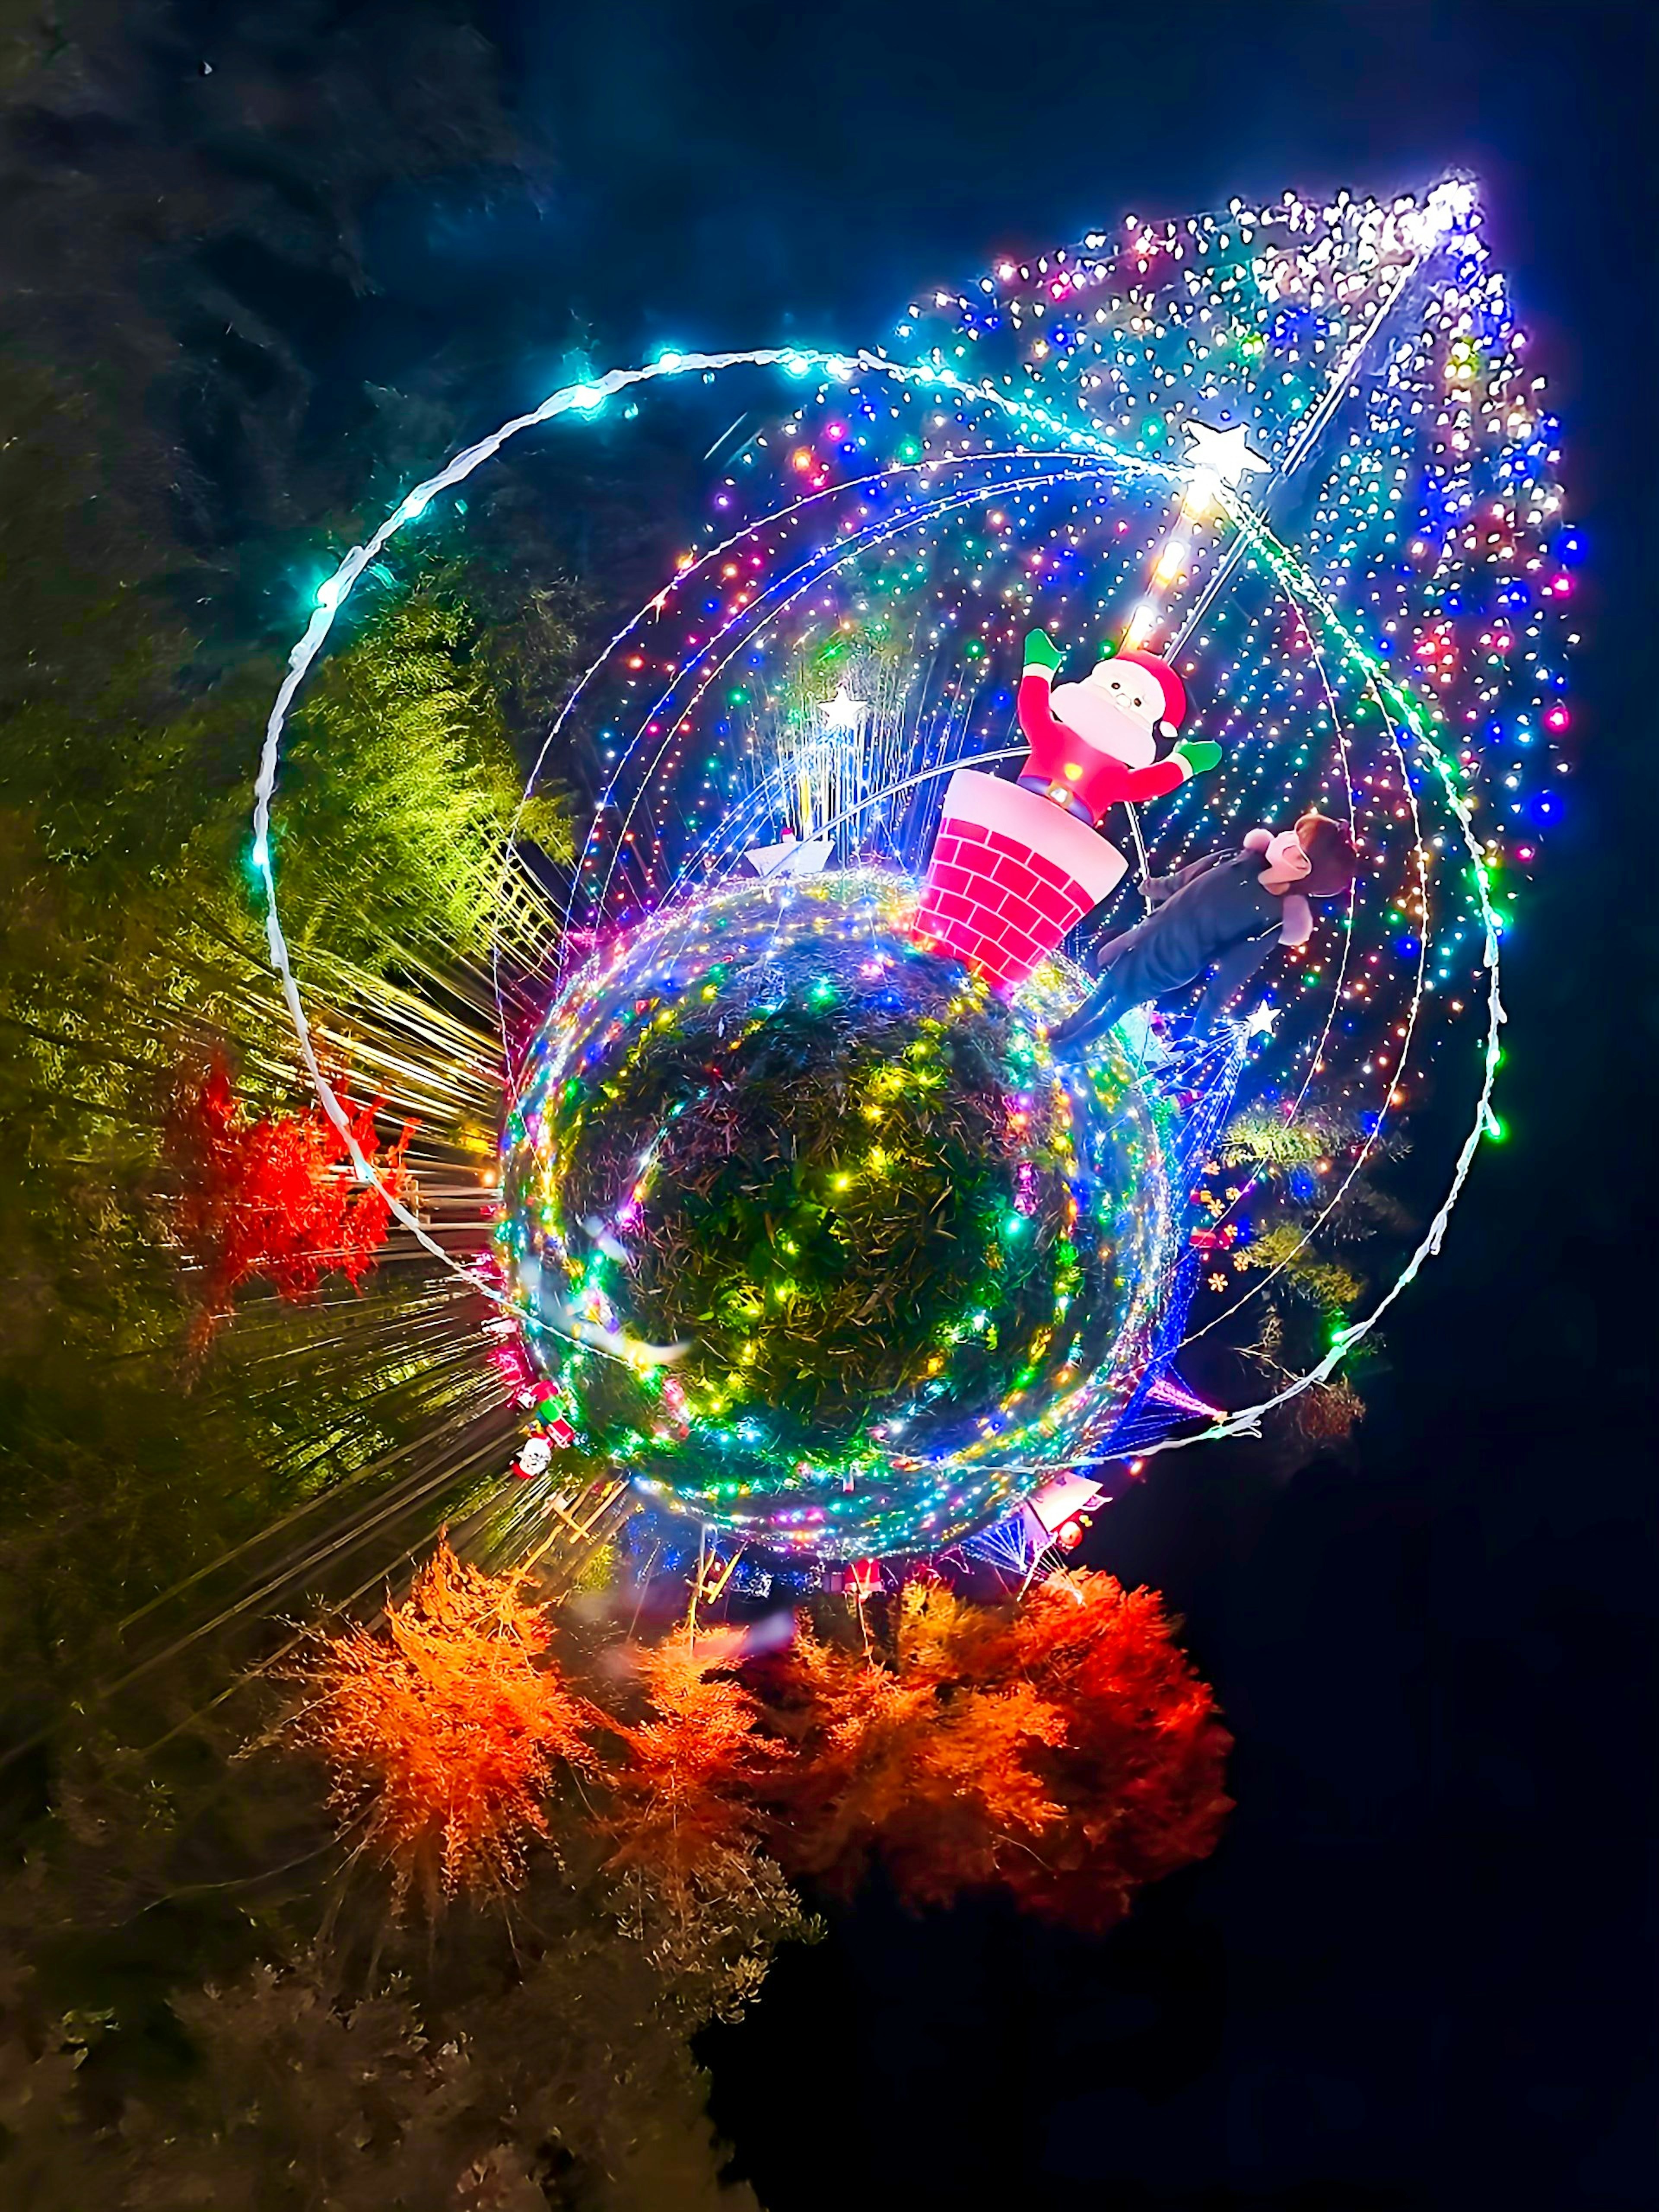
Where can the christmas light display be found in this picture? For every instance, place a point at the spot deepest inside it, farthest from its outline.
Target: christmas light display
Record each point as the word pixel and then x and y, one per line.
pixel 909 1268
pixel 1292 457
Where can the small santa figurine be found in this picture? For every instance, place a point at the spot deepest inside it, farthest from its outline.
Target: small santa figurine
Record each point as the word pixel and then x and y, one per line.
pixel 535 1457
pixel 1108 738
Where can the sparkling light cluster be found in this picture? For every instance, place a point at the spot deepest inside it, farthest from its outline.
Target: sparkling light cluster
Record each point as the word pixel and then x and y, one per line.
pixel 913 1269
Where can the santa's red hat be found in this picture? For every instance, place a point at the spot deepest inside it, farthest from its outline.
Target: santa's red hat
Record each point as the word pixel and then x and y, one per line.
pixel 1174 691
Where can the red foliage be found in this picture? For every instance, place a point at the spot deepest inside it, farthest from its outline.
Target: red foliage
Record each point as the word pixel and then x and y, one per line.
pixel 444 1734
pixel 1062 1749
pixel 276 1197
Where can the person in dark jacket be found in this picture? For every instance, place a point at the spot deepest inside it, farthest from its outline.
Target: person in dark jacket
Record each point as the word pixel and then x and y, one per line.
pixel 1221 916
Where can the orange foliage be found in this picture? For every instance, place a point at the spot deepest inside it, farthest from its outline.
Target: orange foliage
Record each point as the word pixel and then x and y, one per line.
pixel 445 1734
pixel 938 1784
pixel 686 1794
pixel 275 1198
pixel 1062 1749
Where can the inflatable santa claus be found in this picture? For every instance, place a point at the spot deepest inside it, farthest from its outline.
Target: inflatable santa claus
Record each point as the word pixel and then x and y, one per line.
pixel 1017 865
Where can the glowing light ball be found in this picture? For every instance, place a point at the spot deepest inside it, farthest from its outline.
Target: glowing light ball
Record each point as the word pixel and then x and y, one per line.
pixel 911 1268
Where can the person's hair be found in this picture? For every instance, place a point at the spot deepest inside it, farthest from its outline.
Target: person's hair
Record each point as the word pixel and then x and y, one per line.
pixel 1334 862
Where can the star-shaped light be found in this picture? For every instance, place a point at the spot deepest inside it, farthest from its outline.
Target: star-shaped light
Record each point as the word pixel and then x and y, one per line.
pixel 1223 454
pixel 1260 1023
pixel 844 712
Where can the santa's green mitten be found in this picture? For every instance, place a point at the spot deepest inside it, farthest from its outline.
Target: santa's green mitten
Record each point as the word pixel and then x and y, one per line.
pixel 1199 755
pixel 1041 651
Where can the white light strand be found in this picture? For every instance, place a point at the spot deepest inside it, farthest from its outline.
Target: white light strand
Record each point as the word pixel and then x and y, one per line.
pixel 586 397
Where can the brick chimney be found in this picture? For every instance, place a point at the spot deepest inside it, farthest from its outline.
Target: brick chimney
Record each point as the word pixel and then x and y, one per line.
pixel 1011 872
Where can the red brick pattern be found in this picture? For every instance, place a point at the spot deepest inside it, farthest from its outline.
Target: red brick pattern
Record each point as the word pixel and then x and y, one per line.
pixel 992 901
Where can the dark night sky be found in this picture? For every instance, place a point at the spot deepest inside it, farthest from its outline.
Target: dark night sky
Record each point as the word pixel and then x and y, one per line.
pixel 1421 1970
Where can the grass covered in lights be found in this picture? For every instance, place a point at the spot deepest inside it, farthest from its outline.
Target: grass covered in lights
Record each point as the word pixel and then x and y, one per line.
pixel 844 1209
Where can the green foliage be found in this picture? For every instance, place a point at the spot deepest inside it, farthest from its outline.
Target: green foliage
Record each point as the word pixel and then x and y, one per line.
pixel 1313 1192
pixel 1332 1287
pixel 1312 1177
pixel 394 811
pixel 1259 1138
pixel 809 1279
pixel 129 944
pixel 172 2035
pixel 125 1469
